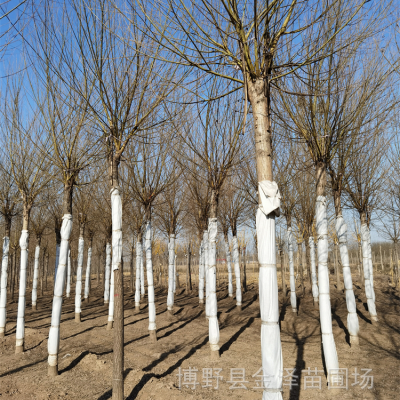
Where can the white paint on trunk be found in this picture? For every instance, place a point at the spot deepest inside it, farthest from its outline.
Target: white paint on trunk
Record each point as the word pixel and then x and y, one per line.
pixel 107 274
pixel 213 327
pixel 293 298
pixel 171 256
pixel 313 270
pixel 201 273
pixel 206 263
pixel 371 267
pixel 20 331
pixel 228 262
pixel 68 290
pixel 35 276
pixel 367 273
pixel 87 277
pixel 53 343
pixel 78 285
pixel 328 341
pixel 352 319
pixel 142 288
pixel 3 284
pixel 175 274
pixel 150 281
pixel 138 264
pixel 235 248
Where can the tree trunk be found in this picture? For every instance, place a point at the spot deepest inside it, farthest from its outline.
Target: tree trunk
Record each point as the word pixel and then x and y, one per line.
pixel 282 256
pixel 68 290
pixel 23 244
pixel 293 297
pixel 107 274
pixel 139 255
pixel 150 284
pixel 314 280
pixel 366 267
pixel 131 277
pixel 78 286
pixel 3 284
pixel 35 275
pixel 228 261
pixel 300 250
pixel 328 341
pixel 244 271
pixel 88 272
pixel 54 334
pixel 188 271
pixel 202 257
pixel 171 256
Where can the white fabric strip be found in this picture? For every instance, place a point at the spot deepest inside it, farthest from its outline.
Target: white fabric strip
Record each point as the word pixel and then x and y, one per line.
pixel 3 284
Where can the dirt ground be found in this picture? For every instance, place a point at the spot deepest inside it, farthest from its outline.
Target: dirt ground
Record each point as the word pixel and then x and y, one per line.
pixel 153 371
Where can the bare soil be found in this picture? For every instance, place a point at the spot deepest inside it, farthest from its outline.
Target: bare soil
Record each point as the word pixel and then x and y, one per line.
pixel 152 370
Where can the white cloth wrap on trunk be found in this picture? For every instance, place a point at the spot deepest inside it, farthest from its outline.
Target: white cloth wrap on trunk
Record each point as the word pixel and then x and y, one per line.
pixel 328 341
pixel 201 272
pixel 213 327
pixel 111 302
pixel 78 285
pixel 150 280
pixel 20 331
pixel 228 262
pixel 35 275
pixel 107 274
pixel 371 267
pixel 54 334
pixel 270 196
pixel 293 298
pixel 116 210
pixel 313 269
pixel 352 318
pixel 137 279
pixel 366 268
pixel 87 277
pixel 3 284
pixel 57 259
pixel 271 348
pixel 206 262
pixel 171 256
pixel 236 266
pixel 68 290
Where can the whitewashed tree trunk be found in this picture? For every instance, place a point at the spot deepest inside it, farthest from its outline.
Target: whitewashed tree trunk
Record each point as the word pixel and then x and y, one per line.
pixel 175 274
pixel 3 284
pixel 314 281
pixel 150 284
pixel 35 277
pixel 107 274
pixel 68 290
pixel 228 262
pixel 367 274
pixel 271 348
pixel 54 334
pixel 137 280
pixel 20 331
pixel 328 341
pixel 87 277
pixel 201 273
pixel 235 248
pixel 171 256
pixel 142 288
pixel 206 264
pixel 352 319
pixel 78 285
pixel 213 327
pixel 293 298
pixel 57 261
pixel 371 266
